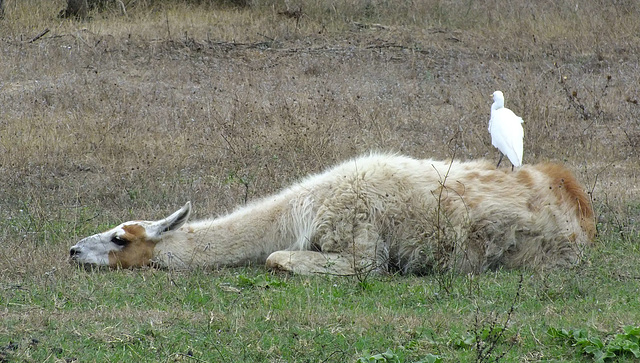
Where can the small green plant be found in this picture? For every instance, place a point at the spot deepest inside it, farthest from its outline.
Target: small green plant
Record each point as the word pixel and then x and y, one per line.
pixel 620 345
pixel 261 281
pixel 388 356
pixel 245 180
pixel 489 336
pixel 391 357
pixel 463 341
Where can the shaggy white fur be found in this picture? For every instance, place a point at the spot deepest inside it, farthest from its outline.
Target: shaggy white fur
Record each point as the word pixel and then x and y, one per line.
pixel 378 212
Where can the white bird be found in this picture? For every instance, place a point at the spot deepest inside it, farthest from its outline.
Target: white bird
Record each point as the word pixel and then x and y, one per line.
pixel 506 131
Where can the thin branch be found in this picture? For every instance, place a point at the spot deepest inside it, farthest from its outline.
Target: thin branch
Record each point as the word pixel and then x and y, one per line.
pixel 44 32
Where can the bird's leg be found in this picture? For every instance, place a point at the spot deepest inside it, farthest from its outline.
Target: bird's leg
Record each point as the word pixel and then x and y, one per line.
pixel 500 160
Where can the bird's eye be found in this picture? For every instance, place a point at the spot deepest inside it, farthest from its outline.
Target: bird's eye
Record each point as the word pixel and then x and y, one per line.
pixel 119 241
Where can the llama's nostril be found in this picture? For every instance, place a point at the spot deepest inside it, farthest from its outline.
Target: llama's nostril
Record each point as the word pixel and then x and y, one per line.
pixel 74 252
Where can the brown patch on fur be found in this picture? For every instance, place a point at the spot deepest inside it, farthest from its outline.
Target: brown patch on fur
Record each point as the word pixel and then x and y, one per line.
pixel 473 202
pixel 524 178
pixel 473 175
pixel 568 190
pixel 138 252
pixel 492 178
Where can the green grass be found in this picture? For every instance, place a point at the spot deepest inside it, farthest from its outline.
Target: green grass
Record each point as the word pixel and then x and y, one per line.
pixel 250 315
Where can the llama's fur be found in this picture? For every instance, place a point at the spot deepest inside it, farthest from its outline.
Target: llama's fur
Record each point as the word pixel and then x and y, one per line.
pixel 383 213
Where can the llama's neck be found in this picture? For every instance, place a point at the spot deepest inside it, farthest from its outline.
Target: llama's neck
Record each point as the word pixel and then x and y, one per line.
pixel 244 237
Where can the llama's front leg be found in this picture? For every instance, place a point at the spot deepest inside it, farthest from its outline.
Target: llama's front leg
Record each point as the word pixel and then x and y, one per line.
pixel 310 263
pixel 358 243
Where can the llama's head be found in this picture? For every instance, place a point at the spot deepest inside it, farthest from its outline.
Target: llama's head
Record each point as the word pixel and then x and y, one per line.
pixel 130 244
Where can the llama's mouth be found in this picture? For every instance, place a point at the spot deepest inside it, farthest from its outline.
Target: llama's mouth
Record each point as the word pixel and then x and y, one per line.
pixel 87 266
pixel 78 258
pixel 74 253
pixel 75 257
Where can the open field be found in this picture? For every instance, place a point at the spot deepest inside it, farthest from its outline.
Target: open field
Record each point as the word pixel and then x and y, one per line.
pixel 123 117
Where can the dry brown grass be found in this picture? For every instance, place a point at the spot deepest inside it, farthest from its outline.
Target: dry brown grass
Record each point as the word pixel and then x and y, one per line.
pixel 121 117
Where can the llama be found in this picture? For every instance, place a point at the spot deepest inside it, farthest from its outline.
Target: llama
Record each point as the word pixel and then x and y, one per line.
pixel 377 213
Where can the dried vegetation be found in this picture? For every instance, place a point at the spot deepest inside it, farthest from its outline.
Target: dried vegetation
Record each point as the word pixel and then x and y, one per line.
pixel 130 114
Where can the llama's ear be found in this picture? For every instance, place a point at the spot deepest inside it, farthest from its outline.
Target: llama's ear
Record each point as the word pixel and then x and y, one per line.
pixel 172 222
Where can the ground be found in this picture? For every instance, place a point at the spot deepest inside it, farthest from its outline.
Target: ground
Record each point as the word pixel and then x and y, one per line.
pixel 120 117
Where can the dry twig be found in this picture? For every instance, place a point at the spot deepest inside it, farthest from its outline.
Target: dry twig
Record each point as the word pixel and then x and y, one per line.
pixel 44 32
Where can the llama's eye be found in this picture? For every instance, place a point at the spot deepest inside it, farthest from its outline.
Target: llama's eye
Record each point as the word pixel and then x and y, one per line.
pixel 119 241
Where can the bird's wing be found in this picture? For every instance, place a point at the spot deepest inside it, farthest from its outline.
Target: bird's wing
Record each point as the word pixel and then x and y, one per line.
pixel 517 146
pixel 507 135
